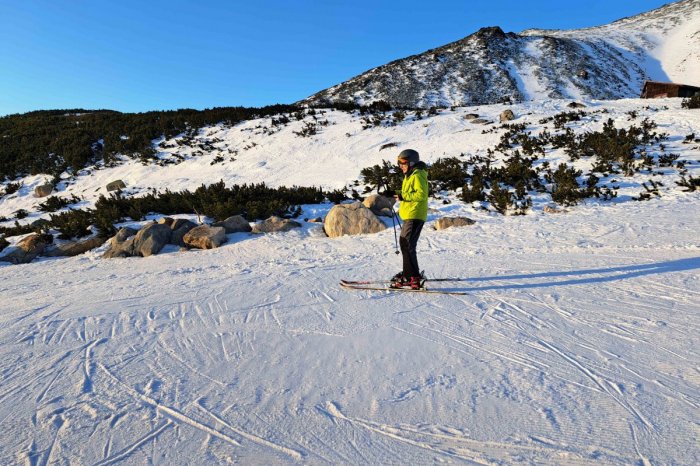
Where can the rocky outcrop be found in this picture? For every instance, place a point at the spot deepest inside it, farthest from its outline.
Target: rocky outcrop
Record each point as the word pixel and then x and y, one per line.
pixel 488 67
pixel 448 222
pixel 351 219
pixel 205 237
pixel 275 224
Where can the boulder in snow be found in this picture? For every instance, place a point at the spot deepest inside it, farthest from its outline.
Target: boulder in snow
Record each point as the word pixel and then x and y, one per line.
pixel 235 224
pixel 74 248
pixel 121 244
pixel 550 209
pixel 507 115
pixel 116 185
pixel 351 219
pixel 180 228
pixel 166 221
pixel 151 239
pixel 379 205
pixel 275 224
pixel 27 249
pixel 448 222
pixel 481 121
pixel 43 190
pixel 205 237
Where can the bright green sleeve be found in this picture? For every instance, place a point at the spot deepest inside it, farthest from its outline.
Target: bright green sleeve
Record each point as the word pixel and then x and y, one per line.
pixel 419 188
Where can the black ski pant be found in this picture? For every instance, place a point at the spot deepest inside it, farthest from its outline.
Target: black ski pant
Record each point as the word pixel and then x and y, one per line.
pixel 410 231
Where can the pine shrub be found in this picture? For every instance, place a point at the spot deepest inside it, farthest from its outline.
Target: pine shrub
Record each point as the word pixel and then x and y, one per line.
pixel 54 203
pixel 448 173
pixel 690 184
pixel 11 188
pixel 501 199
pixel 474 191
pixel 380 177
pixel 566 190
pixel 73 224
pixel 692 102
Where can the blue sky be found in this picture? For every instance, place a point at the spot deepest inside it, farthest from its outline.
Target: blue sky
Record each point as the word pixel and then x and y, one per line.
pixel 135 56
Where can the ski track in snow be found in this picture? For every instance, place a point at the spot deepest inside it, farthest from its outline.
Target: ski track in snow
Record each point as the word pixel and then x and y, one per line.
pixel 576 343
pixel 559 354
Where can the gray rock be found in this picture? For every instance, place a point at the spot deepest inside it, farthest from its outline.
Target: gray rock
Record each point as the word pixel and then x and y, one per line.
pixel 351 219
pixel 379 205
pixel 471 116
pixel 576 105
pixel 180 228
pixel 116 185
pixel 181 222
pixel 550 209
pixel 235 224
pixel 151 239
pixel 43 190
pixel 507 115
pixel 121 244
pixel 448 222
pixel 167 221
pixel 74 248
pixel 481 121
pixel 205 237
pixel 27 249
pixel 275 224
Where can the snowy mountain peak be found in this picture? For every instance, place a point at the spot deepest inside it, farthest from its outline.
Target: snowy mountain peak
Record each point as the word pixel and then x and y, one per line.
pixel 491 66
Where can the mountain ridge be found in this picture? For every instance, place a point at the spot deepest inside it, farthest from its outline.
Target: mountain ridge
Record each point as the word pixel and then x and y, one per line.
pixel 490 66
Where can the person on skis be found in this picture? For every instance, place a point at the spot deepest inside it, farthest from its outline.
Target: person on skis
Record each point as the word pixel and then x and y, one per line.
pixel 413 210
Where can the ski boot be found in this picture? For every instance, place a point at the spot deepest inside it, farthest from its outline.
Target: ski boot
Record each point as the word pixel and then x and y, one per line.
pixel 398 281
pixel 416 283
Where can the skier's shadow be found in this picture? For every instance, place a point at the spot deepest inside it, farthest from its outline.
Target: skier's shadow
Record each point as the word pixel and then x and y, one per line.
pixel 588 276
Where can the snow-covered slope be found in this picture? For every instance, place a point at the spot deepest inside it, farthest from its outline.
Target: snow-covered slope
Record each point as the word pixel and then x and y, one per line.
pixel 489 66
pixel 577 342
pixel 258 151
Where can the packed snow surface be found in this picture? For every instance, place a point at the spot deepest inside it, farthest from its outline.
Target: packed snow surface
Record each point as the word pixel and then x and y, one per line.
pixel 577 341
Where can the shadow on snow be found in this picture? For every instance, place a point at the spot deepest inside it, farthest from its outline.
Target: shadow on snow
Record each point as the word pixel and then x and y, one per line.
pixel 584 277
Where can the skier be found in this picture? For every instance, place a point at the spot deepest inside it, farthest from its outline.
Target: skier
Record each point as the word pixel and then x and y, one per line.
pixel 414 212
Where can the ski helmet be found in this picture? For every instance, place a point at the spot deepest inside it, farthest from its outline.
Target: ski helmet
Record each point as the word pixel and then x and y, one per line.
pixel 410 155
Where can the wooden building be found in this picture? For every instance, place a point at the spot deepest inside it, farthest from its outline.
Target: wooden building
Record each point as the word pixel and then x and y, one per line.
pixel 655 90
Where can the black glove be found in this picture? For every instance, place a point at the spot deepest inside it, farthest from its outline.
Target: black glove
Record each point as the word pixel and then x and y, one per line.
pixel 388 193
pixel 399 196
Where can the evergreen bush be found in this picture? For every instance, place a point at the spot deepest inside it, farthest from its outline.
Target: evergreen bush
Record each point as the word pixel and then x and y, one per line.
pixel 73 224
pixel 692 102
pixel 54 203
pixel 448 173
pixel 501 199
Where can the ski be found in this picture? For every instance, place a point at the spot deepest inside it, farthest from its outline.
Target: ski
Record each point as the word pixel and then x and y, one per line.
pixel 381 282
pixel 352 286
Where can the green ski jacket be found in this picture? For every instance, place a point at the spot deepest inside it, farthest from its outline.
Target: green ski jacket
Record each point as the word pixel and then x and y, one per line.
pixel 414 192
